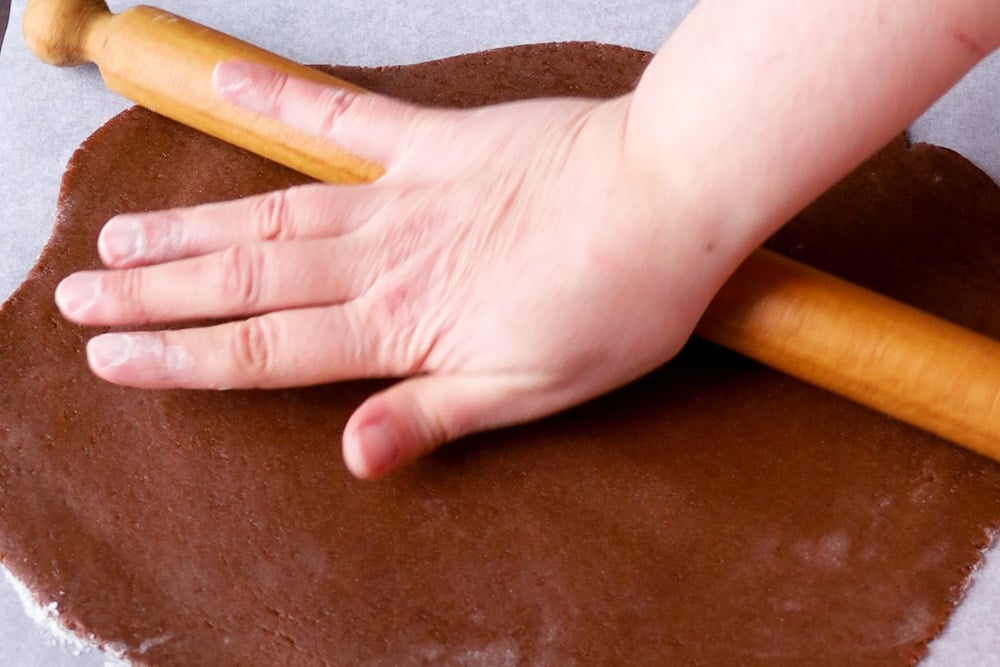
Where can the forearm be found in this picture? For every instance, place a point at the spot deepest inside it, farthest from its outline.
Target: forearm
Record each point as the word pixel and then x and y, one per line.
pixel 753 108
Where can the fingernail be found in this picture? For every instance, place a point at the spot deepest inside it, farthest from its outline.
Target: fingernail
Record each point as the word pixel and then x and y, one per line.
pixel 379 446
pixel 76 294
pixel 231 76
pixel 112 350
pixel 122 239
pixel 109 351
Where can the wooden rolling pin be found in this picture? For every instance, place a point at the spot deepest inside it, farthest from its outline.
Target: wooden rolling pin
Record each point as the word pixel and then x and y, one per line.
pixel 879 352
pixel 165 63
pixel 808 324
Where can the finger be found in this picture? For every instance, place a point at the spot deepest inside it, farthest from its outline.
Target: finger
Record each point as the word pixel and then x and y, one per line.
pixel 304 212
pixel 369 125
pixel 281 349
pixel 240 280
pixel 417 415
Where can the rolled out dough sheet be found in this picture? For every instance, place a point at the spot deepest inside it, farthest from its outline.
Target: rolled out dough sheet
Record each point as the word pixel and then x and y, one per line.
pixel 45 113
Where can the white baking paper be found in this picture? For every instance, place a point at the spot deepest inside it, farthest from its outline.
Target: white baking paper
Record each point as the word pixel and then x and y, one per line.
pixel 46 112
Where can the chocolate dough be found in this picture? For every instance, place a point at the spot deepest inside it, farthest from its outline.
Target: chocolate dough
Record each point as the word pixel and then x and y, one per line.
pixel 713 513
pixel 4 16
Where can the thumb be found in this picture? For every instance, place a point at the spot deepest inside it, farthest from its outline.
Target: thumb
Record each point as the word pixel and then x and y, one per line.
pixel 416 415
pixel 366 124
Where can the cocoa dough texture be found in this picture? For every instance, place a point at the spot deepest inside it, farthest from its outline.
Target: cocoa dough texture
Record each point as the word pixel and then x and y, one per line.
pixel 713 513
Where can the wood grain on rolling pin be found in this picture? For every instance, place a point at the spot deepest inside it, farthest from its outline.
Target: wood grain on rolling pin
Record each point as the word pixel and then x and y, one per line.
pixel 854 342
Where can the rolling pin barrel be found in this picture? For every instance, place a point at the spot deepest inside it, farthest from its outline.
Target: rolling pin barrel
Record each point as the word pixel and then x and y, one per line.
pixel 165 63
pixel 876 351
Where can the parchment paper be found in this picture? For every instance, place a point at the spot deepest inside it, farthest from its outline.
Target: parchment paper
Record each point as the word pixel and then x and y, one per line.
pixel 46 112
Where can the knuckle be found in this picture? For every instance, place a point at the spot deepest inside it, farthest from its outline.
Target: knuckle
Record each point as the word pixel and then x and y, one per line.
pixel 127 286
pixel 167 237
pixel 439 128
pixel 434 430
pixel 333 105
pixel 272 88
pixel 396 314
pixel 240 270
pixel 253 345
pixel 270 216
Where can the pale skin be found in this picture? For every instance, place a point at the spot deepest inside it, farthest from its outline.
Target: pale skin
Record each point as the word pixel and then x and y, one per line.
pixel 520 259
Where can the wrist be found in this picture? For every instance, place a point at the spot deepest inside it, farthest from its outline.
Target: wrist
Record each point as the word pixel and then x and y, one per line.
pixel 666 161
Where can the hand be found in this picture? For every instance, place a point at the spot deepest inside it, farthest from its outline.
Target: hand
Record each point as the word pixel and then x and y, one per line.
pixel 512 261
